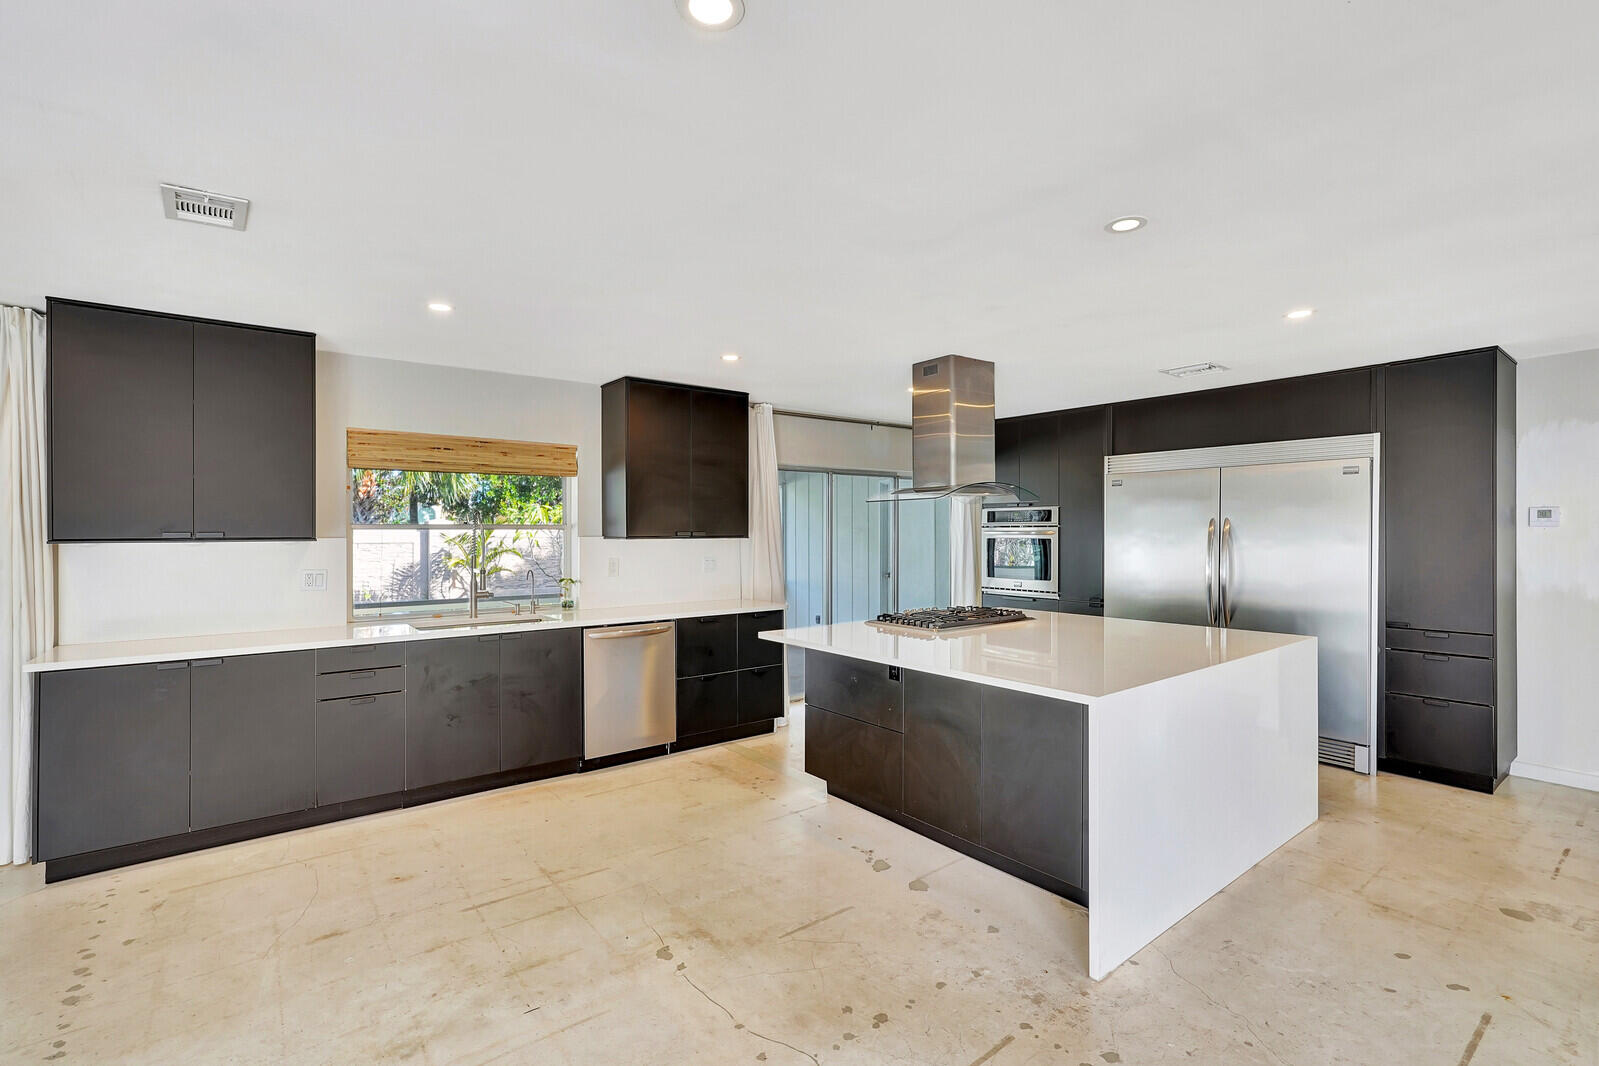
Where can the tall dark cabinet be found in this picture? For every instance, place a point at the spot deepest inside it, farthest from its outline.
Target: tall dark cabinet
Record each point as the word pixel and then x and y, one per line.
pixel 1061 457
pixel 675 460
pixel 163 427
pixel 1449 535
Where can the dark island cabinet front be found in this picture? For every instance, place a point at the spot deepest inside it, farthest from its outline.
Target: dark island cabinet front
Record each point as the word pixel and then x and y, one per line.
pixel 1033 782
pixel 541 698
pixel 861 762
pixel 943 739
pixel 253 729
pixel 452 709
pixel 113 757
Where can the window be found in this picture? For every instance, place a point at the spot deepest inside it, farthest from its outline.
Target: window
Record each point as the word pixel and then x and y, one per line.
pixel 419 539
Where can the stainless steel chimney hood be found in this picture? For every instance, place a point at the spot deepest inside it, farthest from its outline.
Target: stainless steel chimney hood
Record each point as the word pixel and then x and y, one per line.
pixel 952 433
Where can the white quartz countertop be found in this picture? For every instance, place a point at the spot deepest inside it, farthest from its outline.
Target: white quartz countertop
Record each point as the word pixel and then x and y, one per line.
pixel 169 649
pixel 1067 656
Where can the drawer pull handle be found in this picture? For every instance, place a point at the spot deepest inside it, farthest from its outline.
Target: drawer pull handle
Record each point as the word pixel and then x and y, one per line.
pixel 361 674
pixel 207 662
pixel 1435 703
pixel 1436 658
pixel 171 666
pixel 364 699
pixel 1430 635
pixel 364 649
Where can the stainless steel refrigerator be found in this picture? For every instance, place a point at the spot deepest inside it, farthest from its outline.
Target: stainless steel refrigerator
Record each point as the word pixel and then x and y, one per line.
pixel 1278 537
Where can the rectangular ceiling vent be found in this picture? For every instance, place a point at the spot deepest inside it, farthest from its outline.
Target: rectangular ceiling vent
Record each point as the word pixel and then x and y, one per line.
pixel 1194 370
pixel 210 208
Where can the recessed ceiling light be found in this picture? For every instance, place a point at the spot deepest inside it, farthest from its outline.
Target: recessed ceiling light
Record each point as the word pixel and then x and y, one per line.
pixel 712 14
pixel 438 307
pixel 1126 224
pixel 730 357
pixel 1300 314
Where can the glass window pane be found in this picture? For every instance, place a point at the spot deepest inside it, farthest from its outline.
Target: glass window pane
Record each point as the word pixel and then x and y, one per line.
pixel 522 565
pixel 422 497
pixel 393 567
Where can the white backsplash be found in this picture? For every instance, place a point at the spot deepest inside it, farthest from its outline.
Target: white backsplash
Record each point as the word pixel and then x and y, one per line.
pixel 656 571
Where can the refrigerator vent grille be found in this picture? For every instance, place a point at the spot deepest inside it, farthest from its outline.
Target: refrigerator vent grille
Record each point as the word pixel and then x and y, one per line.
pixel 1337 753
pixel 209 208
pixel 1359 445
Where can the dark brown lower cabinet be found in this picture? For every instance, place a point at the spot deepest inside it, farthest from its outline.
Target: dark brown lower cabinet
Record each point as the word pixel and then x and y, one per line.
pixel 943 737
pixel 1033 791
pixel 113 757
pixel 760 694
pixel 360 747
pixel 706 703
pixel 860 762
pixel 452 709
pixel 253 733
pixel 541 698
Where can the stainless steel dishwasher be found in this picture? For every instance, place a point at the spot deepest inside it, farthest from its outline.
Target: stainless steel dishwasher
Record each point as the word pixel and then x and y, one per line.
pixel 629 688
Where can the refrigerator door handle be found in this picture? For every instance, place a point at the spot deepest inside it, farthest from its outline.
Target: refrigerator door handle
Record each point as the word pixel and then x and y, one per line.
pixel 1210 573
pixel 1224 564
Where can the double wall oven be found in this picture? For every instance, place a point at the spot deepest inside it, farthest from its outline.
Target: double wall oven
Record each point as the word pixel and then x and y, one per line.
pixel 1021 551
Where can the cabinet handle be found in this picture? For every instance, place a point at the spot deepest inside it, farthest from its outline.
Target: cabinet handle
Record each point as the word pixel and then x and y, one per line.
pixel 176 534
pixel 705 621
pixel 364 648
pixel 1434 703
pixel 210 534
pixel 171 666
pixel 1430 635
pixel 1435 658
pixel 205 662
pixel 362 674
pixel 684 533
pixel 489 636
pixel 363 699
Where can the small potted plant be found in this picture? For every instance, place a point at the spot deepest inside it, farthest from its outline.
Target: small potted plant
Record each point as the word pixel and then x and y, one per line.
pixel 568 593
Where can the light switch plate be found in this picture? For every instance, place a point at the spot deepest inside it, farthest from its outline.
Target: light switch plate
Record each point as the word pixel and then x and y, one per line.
pixel 613 566
pixel 313 580
pixel 710 564
pixel 1543 516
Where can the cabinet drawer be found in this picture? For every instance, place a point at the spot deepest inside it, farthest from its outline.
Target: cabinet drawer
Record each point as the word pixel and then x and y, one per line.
pixel 359 657
pixel 760 694
pixel 1440 643
pixel 870 692
pixel 707 645
pixel 860 762
pixel 1447 677
pixel 752 650
pixel 360 683
pixel 1434 732
pixel 706 703
pixel 360 747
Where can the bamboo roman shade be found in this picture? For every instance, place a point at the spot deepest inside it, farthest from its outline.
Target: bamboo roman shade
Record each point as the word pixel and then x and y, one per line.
pixel 386 449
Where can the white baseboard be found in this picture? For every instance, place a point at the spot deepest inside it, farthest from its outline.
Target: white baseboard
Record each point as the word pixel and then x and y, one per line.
pixel 1555 775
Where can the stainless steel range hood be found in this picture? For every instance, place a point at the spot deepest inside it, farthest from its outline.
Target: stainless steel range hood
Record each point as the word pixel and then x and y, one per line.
pixel 952 433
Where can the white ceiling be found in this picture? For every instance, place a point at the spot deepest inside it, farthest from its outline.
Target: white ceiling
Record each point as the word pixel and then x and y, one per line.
pixel 834 189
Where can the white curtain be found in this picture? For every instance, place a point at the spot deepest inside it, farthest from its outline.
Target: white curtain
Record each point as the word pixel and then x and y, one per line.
pixel 965 550
pixel 763 578
pixel 27 567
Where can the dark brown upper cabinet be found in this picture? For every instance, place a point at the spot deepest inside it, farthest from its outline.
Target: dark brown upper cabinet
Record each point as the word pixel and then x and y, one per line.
pixel 676 460
pixel 170 428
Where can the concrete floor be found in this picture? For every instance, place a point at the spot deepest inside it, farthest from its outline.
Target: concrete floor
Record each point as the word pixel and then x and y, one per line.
pixel 716 907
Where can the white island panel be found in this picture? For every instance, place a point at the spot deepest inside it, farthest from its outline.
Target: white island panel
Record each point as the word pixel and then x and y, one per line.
pixel 1192 780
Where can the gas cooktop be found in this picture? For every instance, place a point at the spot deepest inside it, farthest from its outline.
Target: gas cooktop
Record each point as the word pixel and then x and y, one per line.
pixel 943 619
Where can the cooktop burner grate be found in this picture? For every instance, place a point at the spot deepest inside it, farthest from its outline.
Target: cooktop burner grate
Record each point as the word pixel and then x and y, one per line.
pixel 945 618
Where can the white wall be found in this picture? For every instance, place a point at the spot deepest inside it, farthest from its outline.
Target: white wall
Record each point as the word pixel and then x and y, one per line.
pixel 137 591
pixel 1557 570
pixel 822 444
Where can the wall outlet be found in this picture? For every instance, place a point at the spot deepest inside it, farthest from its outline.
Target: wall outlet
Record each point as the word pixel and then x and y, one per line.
pixel 710 564
pixel 313 580
pixel 613 566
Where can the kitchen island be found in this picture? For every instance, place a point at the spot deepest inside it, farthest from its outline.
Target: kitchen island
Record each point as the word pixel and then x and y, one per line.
pixel 1142 764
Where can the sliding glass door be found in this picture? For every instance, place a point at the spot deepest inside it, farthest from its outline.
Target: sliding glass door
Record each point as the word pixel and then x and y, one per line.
pixel 846 559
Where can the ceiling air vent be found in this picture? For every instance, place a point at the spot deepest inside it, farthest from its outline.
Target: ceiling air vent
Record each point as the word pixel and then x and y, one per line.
pixel 1194 370
pixel 211 208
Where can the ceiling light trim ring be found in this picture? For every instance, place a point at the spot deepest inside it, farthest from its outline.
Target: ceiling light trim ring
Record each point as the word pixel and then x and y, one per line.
pixel 734 8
